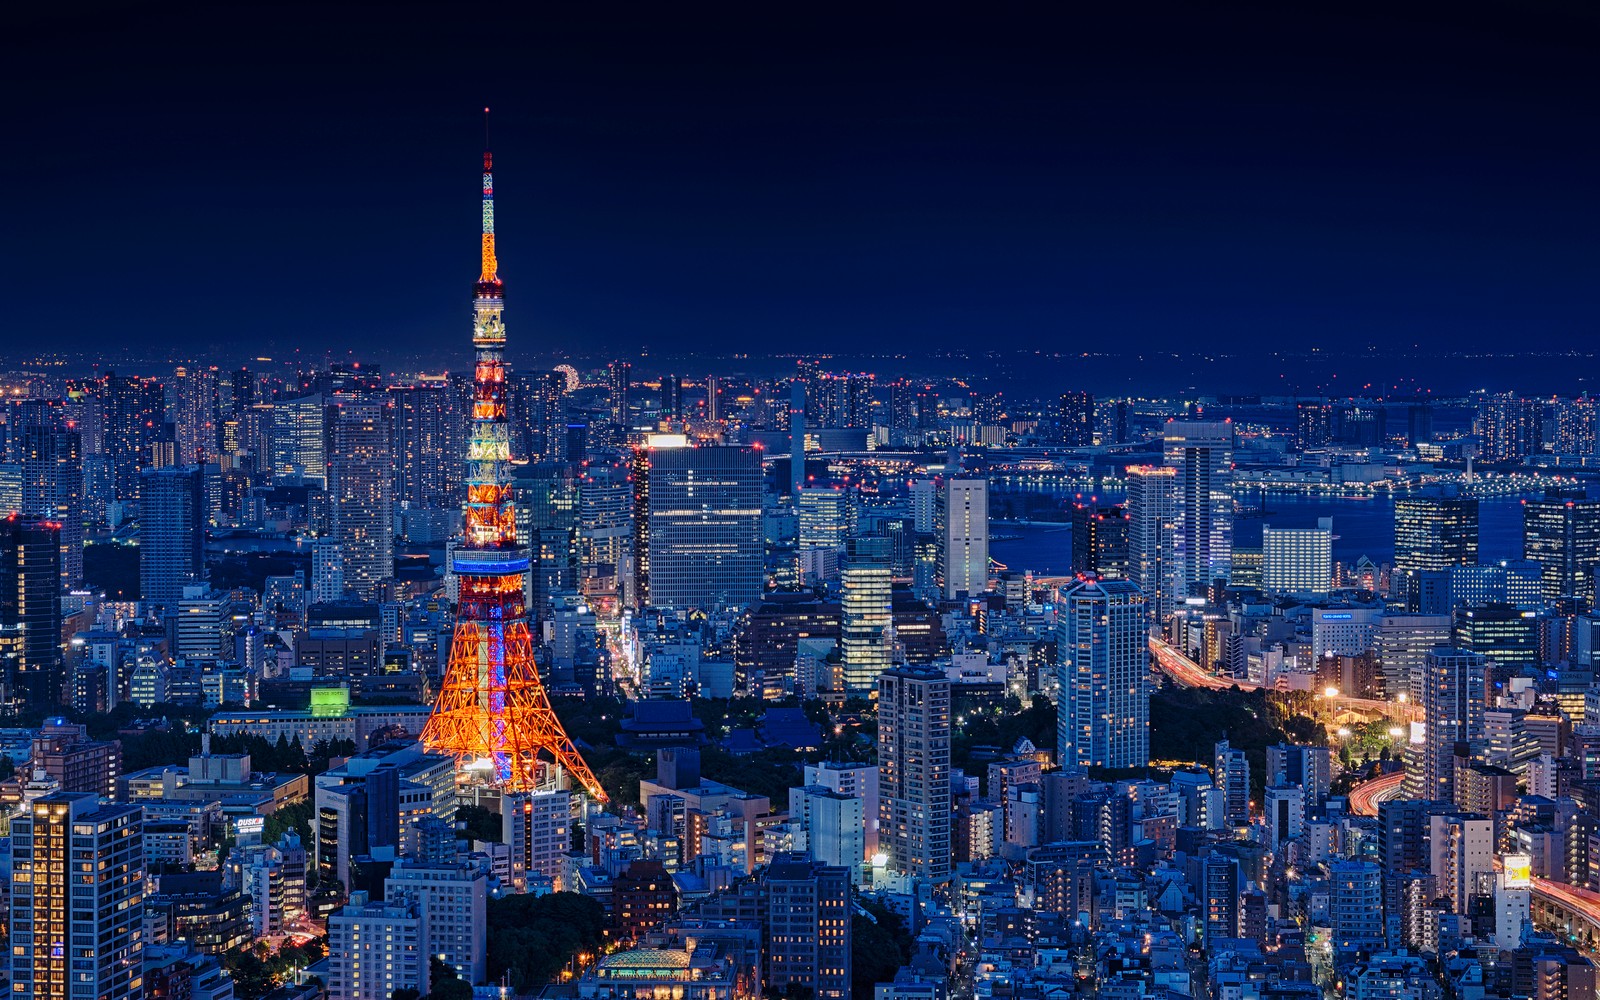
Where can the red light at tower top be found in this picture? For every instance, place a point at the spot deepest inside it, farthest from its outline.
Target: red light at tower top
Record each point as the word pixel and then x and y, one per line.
pixel 493 713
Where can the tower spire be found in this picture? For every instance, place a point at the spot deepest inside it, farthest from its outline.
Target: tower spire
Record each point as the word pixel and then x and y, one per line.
pixel 493 713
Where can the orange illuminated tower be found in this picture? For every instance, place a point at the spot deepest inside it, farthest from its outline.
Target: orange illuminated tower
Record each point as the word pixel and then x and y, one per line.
pixel 493 714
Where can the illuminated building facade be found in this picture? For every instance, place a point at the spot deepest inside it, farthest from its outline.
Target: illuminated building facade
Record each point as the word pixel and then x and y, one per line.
pixel 914 770
pixel 1201 452
pixel 360 486
pixel 697 523
pixel 1563 537
pixel 1151 513
pixel 493 713
pixel 1103 715
pixel 77 899
pixel 1435 533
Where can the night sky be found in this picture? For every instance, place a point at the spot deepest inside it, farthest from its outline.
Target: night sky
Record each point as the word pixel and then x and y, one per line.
pixel 1188 177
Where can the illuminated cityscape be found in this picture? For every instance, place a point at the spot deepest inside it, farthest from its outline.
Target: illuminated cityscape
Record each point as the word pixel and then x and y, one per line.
pixel 931 504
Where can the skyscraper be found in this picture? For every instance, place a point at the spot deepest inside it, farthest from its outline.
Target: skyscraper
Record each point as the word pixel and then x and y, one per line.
pixel 1103 716
pixel 1202 454
pixel 195 420
pixel 1100 540
pixel 424 448
pixel 359 487
pixel 30 611
pixel 1075 415
pixel 1152 516
pixel 1313 423
pixel 135 412
pixel 1575 426
pixel 1563 537
pixel 1297 560
pixel 914 770
pixel 298 438
pixel 1452 708
pixel 52 486
pixel 962 528
pixel 77 899
pixel 698 522
pixel 1435 533
pixel 619 379
pixel 1510 429
pixel 172 534
pixel 866 614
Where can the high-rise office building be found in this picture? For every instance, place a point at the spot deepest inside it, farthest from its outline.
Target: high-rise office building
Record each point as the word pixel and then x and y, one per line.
pixel 1100 540
pixel 30 611
pixel 1402 644
pixel 1435 533
pixel 1452 708
pixel 697 518
pixel 53 488
pixel 1075 416
pixel 77 899
pixel 1509 428
pixel 1152 517
pixel 1202 454
pixel 538 828
pixel 808 916
pixel 1103 712
pixel 1230 772
pixel 360 491
pixel 824 518
pixel 1297 560
pixel 914 770
pixel 298 438
pixel 962 528
pixel 866 614
pixel 172 533
pixel 1563 536
pixel 1511 638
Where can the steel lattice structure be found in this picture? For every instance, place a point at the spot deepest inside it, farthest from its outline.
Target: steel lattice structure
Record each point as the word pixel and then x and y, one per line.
pixel 492 710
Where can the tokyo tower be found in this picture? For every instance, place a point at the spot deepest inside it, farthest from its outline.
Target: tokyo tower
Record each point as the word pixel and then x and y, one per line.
pixel 493 714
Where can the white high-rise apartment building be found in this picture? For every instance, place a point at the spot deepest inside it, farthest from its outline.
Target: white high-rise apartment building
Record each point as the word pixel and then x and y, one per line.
pixel 327 572
pixel 453 902
pixel 1152 518
pixel 538 827
pixel 1461 854
pixel 854 779
pixel 377 948
pixel 1297 560
pixel 835 825
pixel 1202 454
pixel 1103 713
pixel 963 531
pixel 914 770
pixel 77 899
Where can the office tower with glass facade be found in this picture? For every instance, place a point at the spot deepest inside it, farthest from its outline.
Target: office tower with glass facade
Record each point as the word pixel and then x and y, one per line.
pixel 1575 426
pixel 1201 452
pixel 1563 536
pixel 172 533
pixel 962 529
pixel 1152 514
pixel 297 438
pixel 1452 707
pixel 30 611
pixel 1297 560
pixel 77 899
pixel 914 771
pixel 866 614
pixel 1435 533
pixel 360 489
pixel 697 523
pixel 1103 711
pixel 52 485
pixel 824 518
